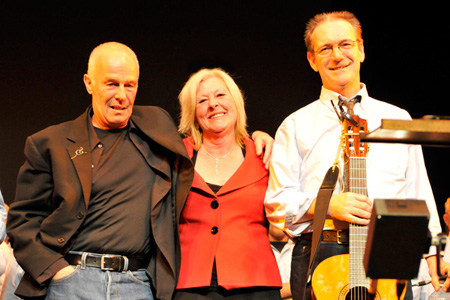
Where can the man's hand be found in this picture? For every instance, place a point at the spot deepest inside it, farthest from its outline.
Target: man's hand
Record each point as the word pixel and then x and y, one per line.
pixel 351 208
pixel 63 272
pixel 263 144
pixel 432 268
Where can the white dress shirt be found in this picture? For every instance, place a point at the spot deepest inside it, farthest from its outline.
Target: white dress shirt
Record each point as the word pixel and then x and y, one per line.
pixel 2 219
pixel 306 145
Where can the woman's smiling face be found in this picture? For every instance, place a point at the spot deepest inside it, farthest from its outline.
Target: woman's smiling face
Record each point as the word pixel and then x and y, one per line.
pixel 215 111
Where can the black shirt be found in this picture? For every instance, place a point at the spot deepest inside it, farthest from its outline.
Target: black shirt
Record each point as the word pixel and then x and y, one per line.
pixel 118 216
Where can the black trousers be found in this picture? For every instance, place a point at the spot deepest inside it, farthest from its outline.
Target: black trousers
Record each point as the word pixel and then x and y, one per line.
pixel 206 293
pixel 215 292
pixel 300 263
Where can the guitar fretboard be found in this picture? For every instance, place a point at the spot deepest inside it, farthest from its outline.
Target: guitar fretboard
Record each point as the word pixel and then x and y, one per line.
pixel 357 176
pixel 358 233
pixel 358 236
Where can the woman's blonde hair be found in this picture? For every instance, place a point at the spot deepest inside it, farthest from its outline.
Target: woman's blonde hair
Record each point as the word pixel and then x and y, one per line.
pixel 188 102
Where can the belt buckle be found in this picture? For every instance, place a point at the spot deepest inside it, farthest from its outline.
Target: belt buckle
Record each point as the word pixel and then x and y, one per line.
pixel 102 262
pixel 338 237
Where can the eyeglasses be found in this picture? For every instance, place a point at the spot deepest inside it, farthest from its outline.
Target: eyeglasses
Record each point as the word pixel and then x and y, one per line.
pixel 343 46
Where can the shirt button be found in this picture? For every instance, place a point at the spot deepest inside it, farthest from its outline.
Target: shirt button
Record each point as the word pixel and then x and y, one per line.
pixel 61 240
pixel 100 145
pixel 214 204
pixel 214 230
pixel 80 215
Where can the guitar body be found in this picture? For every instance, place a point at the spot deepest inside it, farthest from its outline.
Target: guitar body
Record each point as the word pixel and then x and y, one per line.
pixel 330 281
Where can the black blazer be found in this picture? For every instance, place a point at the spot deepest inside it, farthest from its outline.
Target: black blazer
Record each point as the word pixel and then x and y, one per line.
pixel 54 186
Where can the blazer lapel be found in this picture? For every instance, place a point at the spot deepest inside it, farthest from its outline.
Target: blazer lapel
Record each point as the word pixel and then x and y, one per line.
pixel 80 154
pixel 250 171
pixel 159 127
pixel 154 125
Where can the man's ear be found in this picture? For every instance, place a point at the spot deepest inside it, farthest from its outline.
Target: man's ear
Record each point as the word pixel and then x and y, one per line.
pixel 446 218
pixel 361 52
pixel 312 60
pixel 87 83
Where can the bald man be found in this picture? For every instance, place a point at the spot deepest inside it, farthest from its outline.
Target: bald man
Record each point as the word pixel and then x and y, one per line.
pixel 96 208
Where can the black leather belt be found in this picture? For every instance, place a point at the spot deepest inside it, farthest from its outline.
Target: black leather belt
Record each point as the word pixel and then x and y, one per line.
pixel 106 262
pixel 338 236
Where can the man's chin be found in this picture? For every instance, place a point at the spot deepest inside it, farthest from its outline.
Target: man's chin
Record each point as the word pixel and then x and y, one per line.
pixel 118 123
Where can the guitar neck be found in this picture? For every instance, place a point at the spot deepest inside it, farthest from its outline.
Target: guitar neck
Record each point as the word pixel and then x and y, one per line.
pixel 358 233
pixel 355 181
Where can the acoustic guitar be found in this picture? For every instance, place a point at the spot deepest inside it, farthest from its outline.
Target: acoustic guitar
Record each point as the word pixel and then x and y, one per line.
pixel 343 276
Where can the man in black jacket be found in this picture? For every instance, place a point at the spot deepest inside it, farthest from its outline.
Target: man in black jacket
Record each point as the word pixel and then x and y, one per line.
pixel 98 198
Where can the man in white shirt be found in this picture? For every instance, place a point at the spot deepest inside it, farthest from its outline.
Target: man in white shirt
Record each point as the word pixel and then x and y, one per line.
pixel 2 218
pixel 308 142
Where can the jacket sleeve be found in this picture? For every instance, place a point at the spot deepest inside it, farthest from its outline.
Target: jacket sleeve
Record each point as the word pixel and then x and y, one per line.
pixel 32 205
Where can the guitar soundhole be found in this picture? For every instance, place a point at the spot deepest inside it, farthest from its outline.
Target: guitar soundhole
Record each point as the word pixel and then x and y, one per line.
pixel 360 293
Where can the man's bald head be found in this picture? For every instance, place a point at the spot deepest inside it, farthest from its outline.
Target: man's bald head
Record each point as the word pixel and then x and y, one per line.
pixel 109 49
pixel 112 80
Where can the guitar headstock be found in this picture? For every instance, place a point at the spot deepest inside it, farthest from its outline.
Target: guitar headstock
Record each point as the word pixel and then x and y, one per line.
pixel 352 143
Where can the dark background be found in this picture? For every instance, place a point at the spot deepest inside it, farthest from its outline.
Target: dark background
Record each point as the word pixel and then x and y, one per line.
pixel 45 48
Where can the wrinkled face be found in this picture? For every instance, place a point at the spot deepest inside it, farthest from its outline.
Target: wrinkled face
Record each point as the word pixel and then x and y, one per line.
pixel 113 85
pixel 215 111
pixel 340 68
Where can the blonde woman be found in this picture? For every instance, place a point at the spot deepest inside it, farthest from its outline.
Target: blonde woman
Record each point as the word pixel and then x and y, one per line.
pixel 225 250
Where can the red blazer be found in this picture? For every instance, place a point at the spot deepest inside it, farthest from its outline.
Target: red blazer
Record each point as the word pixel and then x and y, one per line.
pixel 233 230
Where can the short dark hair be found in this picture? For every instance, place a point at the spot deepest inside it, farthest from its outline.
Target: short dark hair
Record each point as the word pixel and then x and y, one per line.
pixel 336 15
